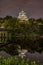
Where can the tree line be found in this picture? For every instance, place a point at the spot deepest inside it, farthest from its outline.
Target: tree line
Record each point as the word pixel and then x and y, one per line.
pixel 27 34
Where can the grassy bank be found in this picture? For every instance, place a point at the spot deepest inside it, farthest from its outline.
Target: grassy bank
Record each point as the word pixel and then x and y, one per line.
pixel 16 61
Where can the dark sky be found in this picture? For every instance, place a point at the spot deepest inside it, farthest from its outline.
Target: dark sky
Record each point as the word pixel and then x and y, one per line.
pixel 33 8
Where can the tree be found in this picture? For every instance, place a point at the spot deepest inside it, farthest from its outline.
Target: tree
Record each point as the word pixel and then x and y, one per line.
pixel 10 23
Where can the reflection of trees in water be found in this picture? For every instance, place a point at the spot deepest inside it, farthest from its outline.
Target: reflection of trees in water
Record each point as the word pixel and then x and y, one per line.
pixel 28 35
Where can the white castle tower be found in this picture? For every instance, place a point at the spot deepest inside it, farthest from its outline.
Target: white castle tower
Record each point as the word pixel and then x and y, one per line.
pixel 22 16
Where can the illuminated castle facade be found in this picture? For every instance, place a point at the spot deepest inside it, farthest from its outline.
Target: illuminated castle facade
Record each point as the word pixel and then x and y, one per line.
pixel 22 16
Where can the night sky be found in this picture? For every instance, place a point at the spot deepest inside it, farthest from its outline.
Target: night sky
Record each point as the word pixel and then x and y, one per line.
pixel 33 8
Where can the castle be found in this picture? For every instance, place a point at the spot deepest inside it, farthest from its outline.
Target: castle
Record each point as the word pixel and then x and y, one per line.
pixel 22 16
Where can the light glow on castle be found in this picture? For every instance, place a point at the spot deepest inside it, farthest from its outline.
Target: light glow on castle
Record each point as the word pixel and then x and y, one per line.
pixel 22 16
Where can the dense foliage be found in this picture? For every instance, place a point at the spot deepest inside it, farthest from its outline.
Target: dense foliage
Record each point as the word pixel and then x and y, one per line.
pixel 27 34
pixel 16 61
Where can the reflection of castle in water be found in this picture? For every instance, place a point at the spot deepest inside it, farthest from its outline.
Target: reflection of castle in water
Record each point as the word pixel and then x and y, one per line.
pixel 22 16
